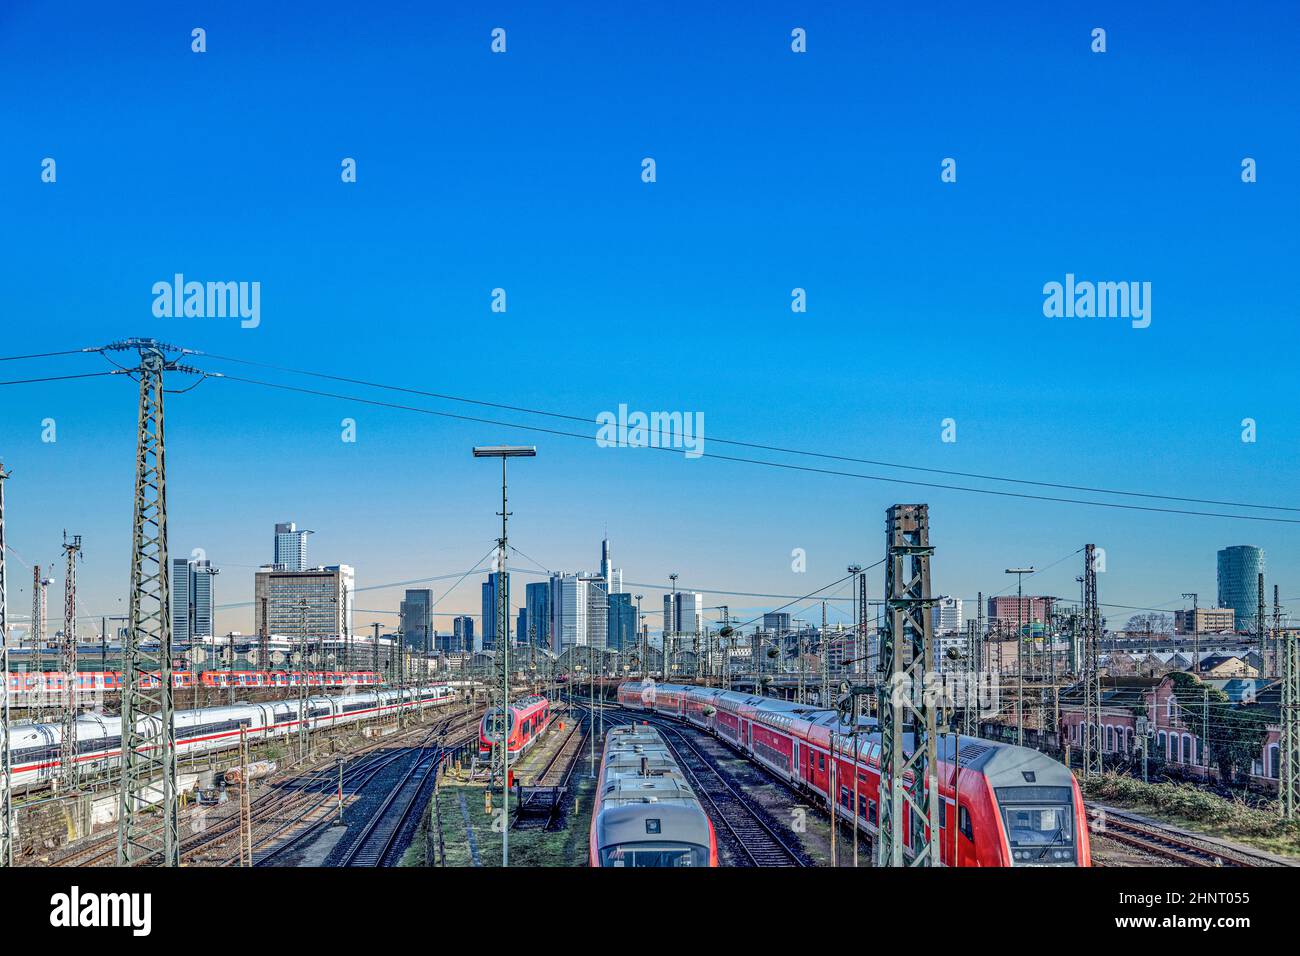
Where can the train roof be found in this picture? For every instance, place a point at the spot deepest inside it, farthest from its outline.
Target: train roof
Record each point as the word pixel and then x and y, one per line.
pixel 652 823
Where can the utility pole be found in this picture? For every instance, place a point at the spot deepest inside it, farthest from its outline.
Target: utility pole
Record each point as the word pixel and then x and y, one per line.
pixel 670 632
pixel 1261 616
pixel 642 639
pixel 264 641
pixel 1289 770
pixel 1277 633
pixel 245 804
pixel 903 700
pixel 1091 726
pixel 148 729
pixel 68 664
pixel 304 742
pixel 375 649
pixel 1196 632
pixel 6 808
pixel 1020 651
pixel 504 452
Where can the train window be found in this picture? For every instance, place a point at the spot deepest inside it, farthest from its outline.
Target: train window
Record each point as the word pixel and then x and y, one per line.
pixel 963 824
pixel 871 811
pixel 821 761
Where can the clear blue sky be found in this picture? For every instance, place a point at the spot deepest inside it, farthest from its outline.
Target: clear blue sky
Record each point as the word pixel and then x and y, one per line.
pixel 775 171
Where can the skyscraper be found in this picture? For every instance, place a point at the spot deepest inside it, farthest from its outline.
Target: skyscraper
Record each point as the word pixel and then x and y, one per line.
pixel 322 597
pixel 612 576
pixel 683 612
pixel 778 621
pixel 1239 569
pixel 193 602
pixel 192 599
pixel 538 605
pixel 417 618
pixel 290 547
pixel 463 637
pixel 621 629
pixel 493 588
pixel 578 611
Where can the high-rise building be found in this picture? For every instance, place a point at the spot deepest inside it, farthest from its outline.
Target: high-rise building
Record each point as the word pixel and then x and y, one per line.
pixel 521 626
pixel 946 615
pixel 683 612
pixel 621 629
pixel 578 611
pixel 192 600
pixel 538 605
pixel 463 634
pixel 290 547
pixel 1239 569
pixel 1008 611
pixel 495 589
pixel 320 597
pixel 612 576
pixel 417 618
pixel 778 621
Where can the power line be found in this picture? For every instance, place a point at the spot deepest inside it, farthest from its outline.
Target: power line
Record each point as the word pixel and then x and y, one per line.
pixel 747 444
pixel 774 448
pixel 771 464
pixel 56 378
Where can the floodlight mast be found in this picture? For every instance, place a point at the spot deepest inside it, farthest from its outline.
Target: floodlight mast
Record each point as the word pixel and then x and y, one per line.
pixel 503 631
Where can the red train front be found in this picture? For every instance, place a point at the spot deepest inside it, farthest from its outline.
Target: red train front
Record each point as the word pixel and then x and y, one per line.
pixel 528 717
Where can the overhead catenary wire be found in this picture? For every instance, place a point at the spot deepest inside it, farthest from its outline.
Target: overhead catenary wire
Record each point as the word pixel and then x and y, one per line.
pixel 755 445
pixel 748 444
pixel 756 461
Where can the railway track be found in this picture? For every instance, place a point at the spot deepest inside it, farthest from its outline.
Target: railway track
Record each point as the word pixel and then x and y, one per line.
pixel 1173 845
pixel 375 844
pixel 376 829
pixel 285 806
pixel 730 809
pixel 555 776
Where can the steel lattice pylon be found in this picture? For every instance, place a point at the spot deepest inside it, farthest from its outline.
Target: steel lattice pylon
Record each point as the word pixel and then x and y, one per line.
pixel 1289 771
pixel 147 821
pixel 906 648
pixel 1091 672
pixel 6 809
pixel 68 664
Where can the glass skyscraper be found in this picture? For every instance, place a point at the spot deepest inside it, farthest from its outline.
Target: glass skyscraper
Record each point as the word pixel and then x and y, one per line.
pixel 193 610
pixel 1239 569
pixel 538 619
pixel 492 594
pixel 622 623
pixel 417 618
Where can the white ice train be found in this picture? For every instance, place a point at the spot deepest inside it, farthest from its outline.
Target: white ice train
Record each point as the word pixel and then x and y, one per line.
pixel 34 749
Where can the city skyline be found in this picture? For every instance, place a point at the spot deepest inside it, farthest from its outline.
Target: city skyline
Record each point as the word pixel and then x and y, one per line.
pixel 446 208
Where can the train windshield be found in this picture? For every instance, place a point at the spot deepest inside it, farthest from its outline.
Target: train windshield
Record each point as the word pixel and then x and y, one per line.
pixel 493 723
pixel 1039 823
pixel 655 854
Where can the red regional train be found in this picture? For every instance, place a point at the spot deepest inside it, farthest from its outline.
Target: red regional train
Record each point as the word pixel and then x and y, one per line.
pixel 646 813
pixel 1003 805
pixel 50 682
pixel 528 717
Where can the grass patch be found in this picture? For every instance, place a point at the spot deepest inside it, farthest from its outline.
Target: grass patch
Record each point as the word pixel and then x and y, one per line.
pixel 1196 809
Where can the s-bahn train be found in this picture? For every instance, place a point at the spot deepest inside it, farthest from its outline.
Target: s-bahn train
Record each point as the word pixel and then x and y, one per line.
pixel 529 716
pixel 1003 805
pixel 52 682
pixel 35 749
pixel 646 814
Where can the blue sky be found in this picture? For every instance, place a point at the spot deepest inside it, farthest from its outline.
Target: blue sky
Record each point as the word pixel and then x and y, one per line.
pixel 775 171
